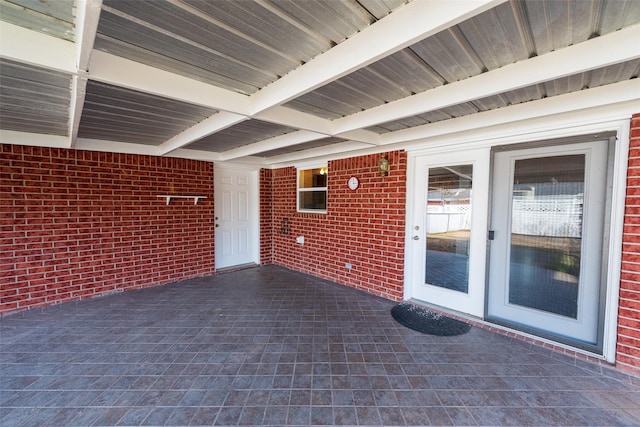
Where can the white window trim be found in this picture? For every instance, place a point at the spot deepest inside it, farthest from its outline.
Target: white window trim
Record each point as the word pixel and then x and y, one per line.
pixel 299 190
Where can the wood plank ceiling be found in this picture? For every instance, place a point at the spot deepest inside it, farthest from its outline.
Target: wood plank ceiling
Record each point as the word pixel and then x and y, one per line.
pixel 275 82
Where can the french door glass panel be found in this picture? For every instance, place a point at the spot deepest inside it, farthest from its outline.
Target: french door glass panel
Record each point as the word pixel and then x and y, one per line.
pixel 546 233
pixel 546 259
pixel 449 227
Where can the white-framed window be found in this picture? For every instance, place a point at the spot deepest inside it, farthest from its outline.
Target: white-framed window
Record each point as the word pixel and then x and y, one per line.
pixel 312 189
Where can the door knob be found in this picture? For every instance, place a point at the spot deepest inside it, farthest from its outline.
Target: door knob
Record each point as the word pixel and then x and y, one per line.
pixel 217 225
pixel 416 237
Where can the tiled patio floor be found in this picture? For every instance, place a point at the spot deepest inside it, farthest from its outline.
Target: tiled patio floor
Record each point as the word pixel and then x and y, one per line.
pixel 267 346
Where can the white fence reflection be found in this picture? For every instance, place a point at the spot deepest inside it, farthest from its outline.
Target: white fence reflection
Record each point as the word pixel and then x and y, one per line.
pixel 557 216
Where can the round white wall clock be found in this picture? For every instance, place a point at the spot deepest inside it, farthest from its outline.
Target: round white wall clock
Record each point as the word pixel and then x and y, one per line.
pixel 353 183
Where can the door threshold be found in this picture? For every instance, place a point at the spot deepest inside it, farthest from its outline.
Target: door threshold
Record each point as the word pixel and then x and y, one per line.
pixel 237 268
pixel 536 340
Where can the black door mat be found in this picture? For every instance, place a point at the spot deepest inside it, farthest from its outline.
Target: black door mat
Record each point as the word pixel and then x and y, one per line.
pixel 427 322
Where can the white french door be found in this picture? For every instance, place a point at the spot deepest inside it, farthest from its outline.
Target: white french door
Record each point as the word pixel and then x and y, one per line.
pixel 236 217
pixel 547 222
pixel 447 239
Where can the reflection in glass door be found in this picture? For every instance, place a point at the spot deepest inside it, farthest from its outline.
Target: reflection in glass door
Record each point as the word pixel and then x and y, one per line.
pixel 546 256
pixel 546 233
pixel 449 227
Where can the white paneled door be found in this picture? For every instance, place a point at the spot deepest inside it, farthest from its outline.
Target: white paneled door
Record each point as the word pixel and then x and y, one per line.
pixel 236 217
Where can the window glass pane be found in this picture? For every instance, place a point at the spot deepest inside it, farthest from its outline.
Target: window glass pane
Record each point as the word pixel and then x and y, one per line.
pixel 546 233
pixel 449 227
pixel 316 200
pixel 313 178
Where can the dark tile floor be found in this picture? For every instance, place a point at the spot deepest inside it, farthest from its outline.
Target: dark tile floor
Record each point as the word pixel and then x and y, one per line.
pixel 267 346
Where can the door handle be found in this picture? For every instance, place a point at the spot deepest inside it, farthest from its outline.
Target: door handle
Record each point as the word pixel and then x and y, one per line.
pixel 217 225
pixel 416 237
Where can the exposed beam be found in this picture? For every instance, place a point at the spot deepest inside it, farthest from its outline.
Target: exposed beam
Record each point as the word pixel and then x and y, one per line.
pixel 296 119
pixel 613 94
pixel 412 22
pixel 361 135
pixel 274 143
pixel 78 94
pixel 112 69
pixel 34 139
pixel 115 147
pixel 213 124
pixel 34 48
pixel 616 47
pixel 322 153
pixel 206 156
pixel 87 17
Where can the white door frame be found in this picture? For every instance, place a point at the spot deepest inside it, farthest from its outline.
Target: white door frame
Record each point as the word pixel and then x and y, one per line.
pixel 254 202
pixel 553 127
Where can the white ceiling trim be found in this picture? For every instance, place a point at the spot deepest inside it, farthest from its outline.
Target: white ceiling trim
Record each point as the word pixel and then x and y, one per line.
pixel 36 48
pixel 213 124
pixel 622 92
pixel 538 128
pixel 610 49
pixel 274 143
pixel 412 22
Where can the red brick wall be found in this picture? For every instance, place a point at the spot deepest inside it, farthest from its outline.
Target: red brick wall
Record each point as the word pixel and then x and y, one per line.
pixel 77 224
pixel 364 227
pixel 266 216
pixel 628 349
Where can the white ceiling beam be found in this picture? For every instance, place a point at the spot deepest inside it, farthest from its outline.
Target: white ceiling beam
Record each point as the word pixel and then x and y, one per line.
pixel 412 22
pixel 115 147
pixel 34 48
pixel 78 94
pixel 206 156
pixel 296 119
pixel 361 135
pixel 107 68
pixel 321 153
pixel 213 124
pixel 33 139
pixel 299 120
pixel 274 143
pixel 616 47
pixel 87 18
pixel 613 94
